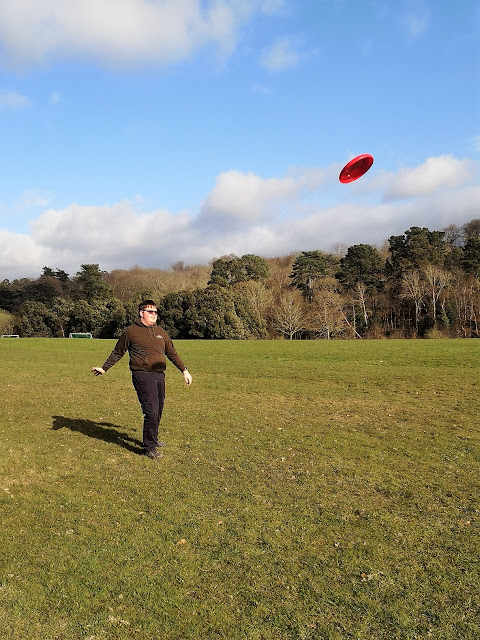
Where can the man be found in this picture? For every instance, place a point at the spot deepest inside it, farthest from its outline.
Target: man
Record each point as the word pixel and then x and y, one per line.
pixel 147 345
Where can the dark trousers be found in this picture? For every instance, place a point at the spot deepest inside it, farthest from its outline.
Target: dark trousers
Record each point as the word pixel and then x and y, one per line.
pixel 150 388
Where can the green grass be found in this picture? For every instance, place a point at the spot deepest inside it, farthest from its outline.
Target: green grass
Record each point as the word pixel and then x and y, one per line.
pixel 308 490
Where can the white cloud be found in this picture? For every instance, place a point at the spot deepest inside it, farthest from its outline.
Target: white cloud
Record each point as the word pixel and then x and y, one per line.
pixel 100 230
pixel 284 53
pixel 238 198
pixel 121 32
pixel 245 213
pixel 33 198
pixel 260 88
pixel 359 223
pixel 434 174
pixel 350 223
pixel 54 98
pixel 21 255
pixel 13 100
pixel 417 23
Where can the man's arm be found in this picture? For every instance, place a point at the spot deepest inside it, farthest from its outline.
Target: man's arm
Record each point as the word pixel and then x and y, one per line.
pixel 117 353
pixel 97 371
pixel 175 359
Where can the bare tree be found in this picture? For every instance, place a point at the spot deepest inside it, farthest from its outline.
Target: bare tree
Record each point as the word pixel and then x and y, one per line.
pixel 129 283
pixel 325 316
pixel 7 322
pixel 258 295
pixel 339 249
pixel 361 290
pixel 412 288
pixel 466 295
pixel 280 270
pixel 289 316
pixel 436 280
pixel 471 229
pixel 453 235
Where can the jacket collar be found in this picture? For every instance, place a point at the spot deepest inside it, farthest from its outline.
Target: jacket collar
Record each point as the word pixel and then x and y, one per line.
pixel 139 323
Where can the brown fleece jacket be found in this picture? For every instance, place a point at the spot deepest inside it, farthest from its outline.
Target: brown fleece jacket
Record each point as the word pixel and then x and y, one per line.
pixel 147 347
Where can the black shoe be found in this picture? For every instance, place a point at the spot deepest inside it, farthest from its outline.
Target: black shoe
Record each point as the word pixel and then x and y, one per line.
pixel 153 454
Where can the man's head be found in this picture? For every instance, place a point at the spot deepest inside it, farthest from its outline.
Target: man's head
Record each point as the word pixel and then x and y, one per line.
pixel 147 310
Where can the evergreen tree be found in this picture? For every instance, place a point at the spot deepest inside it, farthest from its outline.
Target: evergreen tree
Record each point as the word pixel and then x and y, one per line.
pixel 213 315
pixel 59 274
pixel 229 271
pixel 173 310
pixel 471 256
pixel 36 320
pixel 254 326
pixel 308 268
pixel 416 248
pixel 90 284
pixel 362 263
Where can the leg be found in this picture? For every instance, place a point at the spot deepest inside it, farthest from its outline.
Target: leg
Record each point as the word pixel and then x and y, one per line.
pixel 160 381
pixel 150 388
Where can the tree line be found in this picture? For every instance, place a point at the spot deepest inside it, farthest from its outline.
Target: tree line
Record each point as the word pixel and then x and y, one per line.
pixel 421 283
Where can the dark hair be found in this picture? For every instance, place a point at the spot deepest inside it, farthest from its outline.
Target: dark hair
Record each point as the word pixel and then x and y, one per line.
pixel 146 303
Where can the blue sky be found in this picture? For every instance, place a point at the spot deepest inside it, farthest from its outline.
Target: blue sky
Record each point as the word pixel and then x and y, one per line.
pixel 151 131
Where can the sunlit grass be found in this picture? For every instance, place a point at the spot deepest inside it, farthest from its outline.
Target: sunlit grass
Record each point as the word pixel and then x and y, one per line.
pixel 308 490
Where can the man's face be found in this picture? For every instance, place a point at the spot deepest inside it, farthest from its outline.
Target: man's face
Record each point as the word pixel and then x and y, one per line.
pixel 149 316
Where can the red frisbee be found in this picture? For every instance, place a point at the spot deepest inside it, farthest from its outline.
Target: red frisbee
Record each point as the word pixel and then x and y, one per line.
pixel 356 168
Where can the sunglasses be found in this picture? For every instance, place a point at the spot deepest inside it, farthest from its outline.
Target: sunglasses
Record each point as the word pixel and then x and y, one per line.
pixel 150 311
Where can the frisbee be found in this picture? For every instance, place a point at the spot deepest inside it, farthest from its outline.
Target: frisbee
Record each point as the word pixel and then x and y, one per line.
pixel 356 168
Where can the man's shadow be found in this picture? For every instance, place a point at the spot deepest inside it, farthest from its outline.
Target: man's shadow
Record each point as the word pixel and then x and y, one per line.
pixel 105 431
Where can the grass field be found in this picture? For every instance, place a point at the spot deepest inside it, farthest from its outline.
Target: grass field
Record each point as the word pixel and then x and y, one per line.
pixel 308 490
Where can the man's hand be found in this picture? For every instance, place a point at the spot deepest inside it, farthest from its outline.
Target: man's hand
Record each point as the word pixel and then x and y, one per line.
pixel 97 371
pixel 187 377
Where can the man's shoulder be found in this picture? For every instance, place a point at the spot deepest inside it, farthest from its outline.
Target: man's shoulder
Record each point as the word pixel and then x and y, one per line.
pixel 132 328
